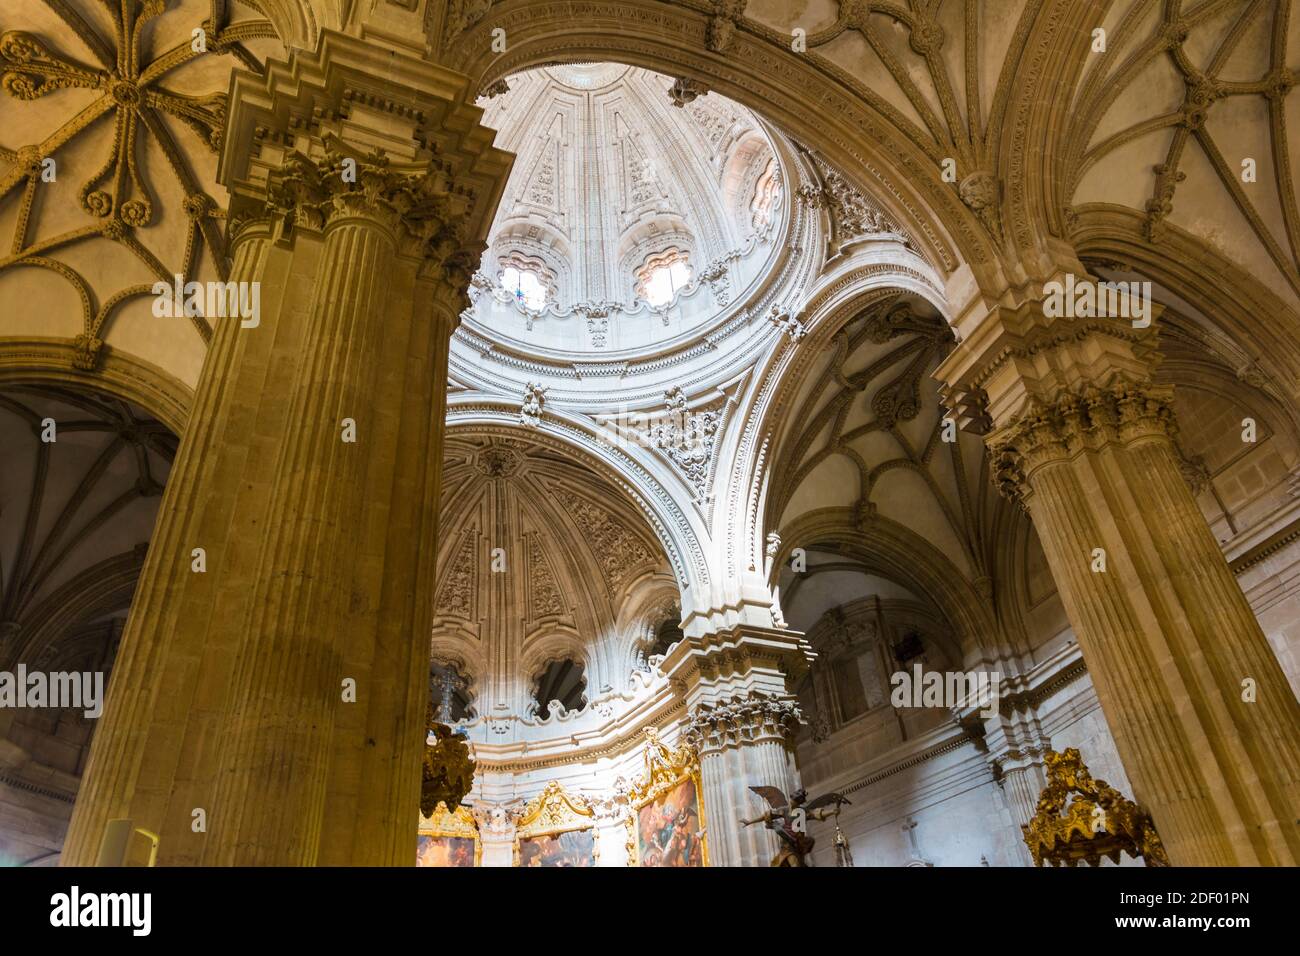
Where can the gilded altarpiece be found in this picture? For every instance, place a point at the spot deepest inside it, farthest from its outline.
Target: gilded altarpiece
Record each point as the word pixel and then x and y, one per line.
pixel 665 826
pixel 556 828
pixel 449 839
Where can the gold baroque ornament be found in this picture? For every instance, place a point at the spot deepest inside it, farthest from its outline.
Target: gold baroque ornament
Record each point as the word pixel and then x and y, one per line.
pixel 448 767
pixel 546 819
pixel 450 827
pixel 666 822
pixel 1100 822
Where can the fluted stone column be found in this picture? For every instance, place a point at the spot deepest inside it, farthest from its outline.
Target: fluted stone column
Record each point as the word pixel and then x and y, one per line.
pixel 742 718
pixel 281 690
pixel 1082 436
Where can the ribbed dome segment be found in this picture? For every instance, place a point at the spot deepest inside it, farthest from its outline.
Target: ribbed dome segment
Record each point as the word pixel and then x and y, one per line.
pixel 635 209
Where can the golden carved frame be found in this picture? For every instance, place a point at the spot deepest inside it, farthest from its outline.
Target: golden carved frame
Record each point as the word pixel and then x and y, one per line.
pixel 665 769
pixel 555 811
pixel 461 823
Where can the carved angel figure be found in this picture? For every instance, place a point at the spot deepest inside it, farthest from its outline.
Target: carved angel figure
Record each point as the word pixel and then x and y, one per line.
pixel 788 819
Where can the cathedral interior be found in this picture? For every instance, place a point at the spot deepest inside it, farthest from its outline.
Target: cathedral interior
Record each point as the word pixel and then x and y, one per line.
pixel 650 433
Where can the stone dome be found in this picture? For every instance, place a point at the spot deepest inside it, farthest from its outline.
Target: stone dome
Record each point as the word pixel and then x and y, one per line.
pixel 620 173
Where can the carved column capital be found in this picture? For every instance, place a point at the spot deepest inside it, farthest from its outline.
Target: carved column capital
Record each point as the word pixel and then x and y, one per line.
pixel 1043 386
pixel 741 720
pixel 1087 421
pixel 420 204
pixel 357 130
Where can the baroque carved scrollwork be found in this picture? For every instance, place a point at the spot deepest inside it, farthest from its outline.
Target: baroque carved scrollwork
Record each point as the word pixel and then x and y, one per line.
pixel 687 438
pixel 852 214
pixel 1098 823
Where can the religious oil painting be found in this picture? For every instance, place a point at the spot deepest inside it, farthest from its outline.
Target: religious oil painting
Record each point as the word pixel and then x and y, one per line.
pixel 449 838
pixel 668 828
pixel 574 848
pixel 445 851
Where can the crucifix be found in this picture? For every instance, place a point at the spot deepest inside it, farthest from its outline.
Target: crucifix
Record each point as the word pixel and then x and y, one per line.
pixel 446 684
pixel 909 827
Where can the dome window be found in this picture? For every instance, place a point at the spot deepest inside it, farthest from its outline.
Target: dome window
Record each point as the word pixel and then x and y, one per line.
pixel 562 680
pixel 526 286
pixel 662 277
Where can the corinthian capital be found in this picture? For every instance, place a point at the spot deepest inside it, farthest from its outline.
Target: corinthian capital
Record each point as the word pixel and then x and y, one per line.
pixel 1121 412
pixel 420 204
pixel 742 719
pixel 357 129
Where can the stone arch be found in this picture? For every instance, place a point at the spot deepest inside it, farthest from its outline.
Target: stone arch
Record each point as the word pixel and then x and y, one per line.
pixel 843 291
pixel 678 532
pixel 1249 313
pixel 889 549
pixel 807 96
pixel 560 644
pixel 48 361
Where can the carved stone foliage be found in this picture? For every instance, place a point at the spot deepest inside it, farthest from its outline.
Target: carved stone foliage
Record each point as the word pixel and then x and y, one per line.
pixel 787 323
pixel 463 14
pixel 457 592
pixel 544 598
pixel 499 461
pixel 424 206
pixel 1094 417
pixel 144 91
pixel 740 720
pixel 853 215
pixel 530 412
pixel 979 191
pixel 620 552
pixel 687 437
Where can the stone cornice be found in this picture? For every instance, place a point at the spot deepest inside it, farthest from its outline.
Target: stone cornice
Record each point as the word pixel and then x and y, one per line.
pixel 1267 548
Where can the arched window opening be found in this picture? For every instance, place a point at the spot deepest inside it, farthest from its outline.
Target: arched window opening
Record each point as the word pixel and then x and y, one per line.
pixel 668 633
pixel 663 276
pixel 526 286
pixel 564 680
